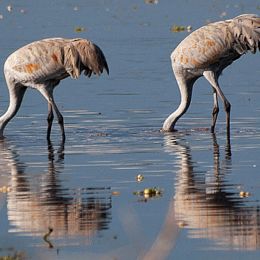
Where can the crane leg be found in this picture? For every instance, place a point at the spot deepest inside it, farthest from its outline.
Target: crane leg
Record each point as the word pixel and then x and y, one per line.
pixel 49 120
pixel 16 93
pixel 212 79
pixel 60 118
pixel 47 92
pixel 215 111
pixel 185 87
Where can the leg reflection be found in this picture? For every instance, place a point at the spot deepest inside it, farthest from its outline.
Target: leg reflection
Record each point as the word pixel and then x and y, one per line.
pixel 207 203
pixel 40 198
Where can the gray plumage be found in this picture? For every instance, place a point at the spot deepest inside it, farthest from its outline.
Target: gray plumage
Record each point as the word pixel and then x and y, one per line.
pixel 207 52
pixel 42 65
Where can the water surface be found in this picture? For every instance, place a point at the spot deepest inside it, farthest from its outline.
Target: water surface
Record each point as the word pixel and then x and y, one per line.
pixel 81 199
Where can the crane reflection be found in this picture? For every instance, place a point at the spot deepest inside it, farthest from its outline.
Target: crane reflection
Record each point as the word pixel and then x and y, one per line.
pixel 41 202
pixel 208 205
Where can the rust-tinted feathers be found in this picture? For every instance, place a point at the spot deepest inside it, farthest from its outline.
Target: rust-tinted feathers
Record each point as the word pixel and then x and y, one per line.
pixel 218 43
pixel 56 58
pixel 42 65
pixel 207 52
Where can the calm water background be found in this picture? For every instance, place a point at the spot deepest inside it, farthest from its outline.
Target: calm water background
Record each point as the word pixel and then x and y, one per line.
pixel 84 190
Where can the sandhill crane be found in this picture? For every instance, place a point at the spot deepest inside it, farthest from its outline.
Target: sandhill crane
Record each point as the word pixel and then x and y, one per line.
pixel 42 65
pixel 207 52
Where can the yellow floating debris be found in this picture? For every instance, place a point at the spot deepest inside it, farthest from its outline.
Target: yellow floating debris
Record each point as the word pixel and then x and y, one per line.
pixel 79 29
pixel 182 224
pixel 151 1
pixel 115 193
pixel 139 177
pixel 180 28
pixel 149 192
pixel 189 28
pixel 244 194
pixel 5 189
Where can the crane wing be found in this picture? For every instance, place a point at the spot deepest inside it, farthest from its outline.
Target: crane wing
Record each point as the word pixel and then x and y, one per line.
pixel 91 56
pixel 246 30
pixel 72 61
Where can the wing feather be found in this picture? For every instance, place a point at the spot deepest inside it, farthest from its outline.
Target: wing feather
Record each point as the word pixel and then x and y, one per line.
pixel 246 30
pixel 91 56
pixel 71 61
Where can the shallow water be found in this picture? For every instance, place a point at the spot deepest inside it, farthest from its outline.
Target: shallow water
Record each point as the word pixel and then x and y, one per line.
pixel 86 190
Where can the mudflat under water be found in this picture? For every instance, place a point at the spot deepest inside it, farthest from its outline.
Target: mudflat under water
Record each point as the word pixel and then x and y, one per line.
pixel 81 199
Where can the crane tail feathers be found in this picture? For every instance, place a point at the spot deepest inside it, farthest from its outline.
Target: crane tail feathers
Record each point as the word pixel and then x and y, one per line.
pixel 246 30
pixel 101 62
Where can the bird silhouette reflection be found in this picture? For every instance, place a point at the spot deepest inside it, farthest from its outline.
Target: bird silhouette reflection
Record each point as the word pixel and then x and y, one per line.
pixel 41 202
pixel 207 204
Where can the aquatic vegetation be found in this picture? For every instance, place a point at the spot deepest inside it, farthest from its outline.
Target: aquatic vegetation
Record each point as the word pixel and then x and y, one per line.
pixel 149 192
pixel 180 28
pixel 14 256
pixel 79 29
pixel 151 1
